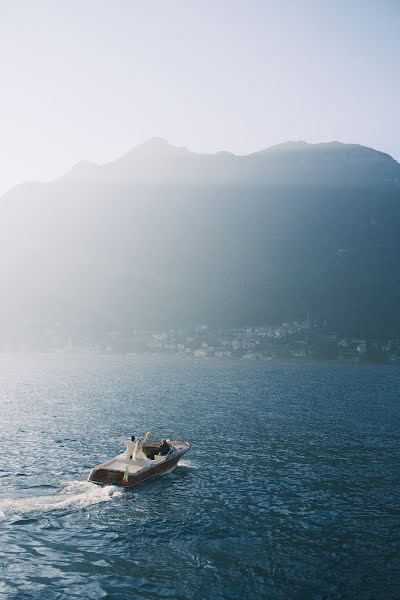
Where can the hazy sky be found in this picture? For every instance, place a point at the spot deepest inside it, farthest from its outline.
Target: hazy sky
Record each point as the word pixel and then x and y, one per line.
pixel 88 79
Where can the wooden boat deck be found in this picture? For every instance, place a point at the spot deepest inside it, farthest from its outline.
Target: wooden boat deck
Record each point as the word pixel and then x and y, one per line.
pixel 119 463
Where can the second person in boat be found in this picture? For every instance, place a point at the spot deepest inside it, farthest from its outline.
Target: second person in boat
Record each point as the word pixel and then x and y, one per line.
pixel 164 448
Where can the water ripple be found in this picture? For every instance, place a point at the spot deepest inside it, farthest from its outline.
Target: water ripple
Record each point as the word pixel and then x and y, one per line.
pixel 291 489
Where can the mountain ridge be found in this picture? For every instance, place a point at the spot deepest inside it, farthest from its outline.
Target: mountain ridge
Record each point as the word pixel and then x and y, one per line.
pixel 221 239
pixel 156 160
pixel 160 148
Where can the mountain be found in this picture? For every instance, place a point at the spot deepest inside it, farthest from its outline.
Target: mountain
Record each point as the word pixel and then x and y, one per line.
pixel 164 237
pixel 291 163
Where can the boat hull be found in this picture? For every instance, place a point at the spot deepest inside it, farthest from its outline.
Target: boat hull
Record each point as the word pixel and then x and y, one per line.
pixel 105 474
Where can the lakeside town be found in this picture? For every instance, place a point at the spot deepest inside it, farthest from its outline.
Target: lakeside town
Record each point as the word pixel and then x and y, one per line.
pixel 297 340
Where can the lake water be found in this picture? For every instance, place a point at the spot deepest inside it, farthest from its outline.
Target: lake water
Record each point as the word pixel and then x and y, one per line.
pixel 291 488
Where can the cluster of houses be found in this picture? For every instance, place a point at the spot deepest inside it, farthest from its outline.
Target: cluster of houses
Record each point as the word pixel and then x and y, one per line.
pixel 297 340
pixel 249 343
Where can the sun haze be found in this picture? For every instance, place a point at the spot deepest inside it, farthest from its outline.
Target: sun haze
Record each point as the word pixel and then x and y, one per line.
pixel 89 80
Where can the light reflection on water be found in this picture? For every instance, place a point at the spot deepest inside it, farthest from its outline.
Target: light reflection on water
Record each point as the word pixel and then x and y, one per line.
pixel 291 489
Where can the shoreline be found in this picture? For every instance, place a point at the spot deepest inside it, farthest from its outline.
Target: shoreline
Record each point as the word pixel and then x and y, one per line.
pixel 182 357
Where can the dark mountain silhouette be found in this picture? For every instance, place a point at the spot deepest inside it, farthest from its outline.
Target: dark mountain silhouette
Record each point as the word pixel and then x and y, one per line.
pixel 163 237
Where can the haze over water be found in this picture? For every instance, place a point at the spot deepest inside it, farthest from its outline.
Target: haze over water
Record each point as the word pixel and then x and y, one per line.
pixel 291 489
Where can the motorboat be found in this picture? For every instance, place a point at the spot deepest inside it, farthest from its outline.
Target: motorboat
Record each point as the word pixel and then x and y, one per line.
pixel 144 463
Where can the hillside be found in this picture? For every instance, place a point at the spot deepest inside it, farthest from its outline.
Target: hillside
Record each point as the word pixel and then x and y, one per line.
pixel 164 237
pixel 292 163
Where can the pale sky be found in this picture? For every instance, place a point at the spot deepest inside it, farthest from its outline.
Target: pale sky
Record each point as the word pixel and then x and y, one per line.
pixel 89 79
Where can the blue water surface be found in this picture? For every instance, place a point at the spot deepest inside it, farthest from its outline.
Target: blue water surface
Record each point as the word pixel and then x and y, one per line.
pixel 291 488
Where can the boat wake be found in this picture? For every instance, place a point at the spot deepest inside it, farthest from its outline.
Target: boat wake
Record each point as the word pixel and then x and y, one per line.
pixel 73 494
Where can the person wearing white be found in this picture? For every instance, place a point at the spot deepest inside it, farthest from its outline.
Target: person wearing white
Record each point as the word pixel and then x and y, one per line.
pixel 130 447
pixel 146 440
pixel 143 444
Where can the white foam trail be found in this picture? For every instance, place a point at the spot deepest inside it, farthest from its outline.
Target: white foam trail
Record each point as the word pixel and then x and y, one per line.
pixel 73 494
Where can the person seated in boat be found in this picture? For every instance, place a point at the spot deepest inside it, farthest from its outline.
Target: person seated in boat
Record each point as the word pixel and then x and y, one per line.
pixel 130 447
pixel 164 448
